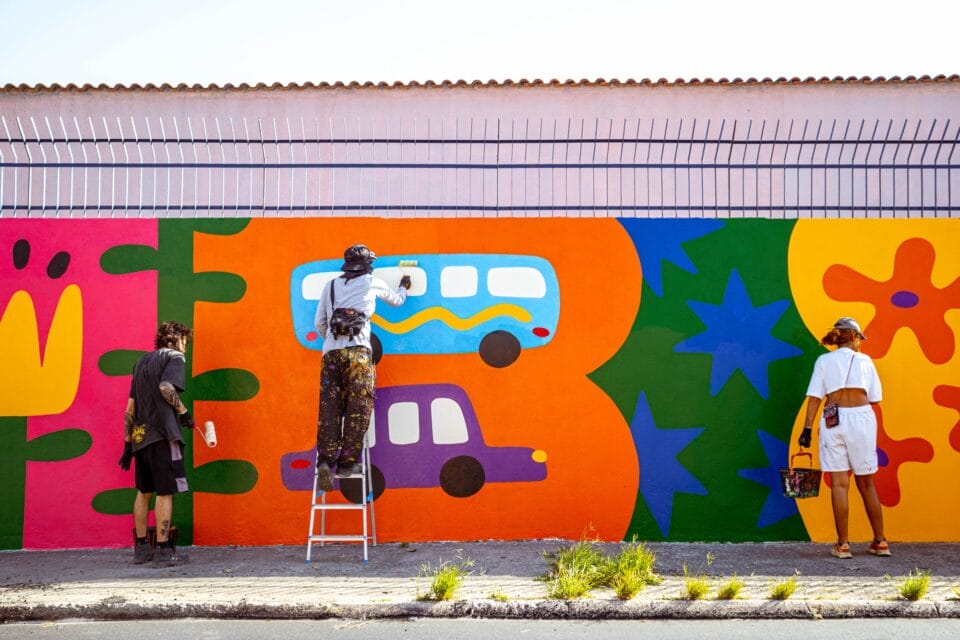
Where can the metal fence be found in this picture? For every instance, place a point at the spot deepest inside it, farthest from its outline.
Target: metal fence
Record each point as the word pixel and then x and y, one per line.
pixel 226 167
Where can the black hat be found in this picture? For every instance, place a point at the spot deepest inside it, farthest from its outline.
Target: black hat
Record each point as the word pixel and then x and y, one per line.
pixel 357 258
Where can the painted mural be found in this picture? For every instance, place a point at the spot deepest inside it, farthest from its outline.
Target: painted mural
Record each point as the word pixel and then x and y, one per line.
pixel 643 377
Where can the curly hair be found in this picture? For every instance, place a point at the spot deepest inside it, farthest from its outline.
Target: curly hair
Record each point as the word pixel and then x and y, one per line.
pixel 838 337
pixel 169 333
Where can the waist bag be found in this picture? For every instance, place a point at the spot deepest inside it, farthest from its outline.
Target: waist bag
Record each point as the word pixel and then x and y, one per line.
pixel 345 322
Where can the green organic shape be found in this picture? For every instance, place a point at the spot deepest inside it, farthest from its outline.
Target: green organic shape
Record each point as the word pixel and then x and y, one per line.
pixel 224 384
pixel 129 258
pixel 59 445
pixel 119 362
pixel 225 477
pixel 677 385
pixel 115 502
pixel 221 226
pixel 13 474
pixel 217 286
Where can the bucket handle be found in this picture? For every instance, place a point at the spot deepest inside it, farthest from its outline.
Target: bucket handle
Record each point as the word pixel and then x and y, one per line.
pixel 801 453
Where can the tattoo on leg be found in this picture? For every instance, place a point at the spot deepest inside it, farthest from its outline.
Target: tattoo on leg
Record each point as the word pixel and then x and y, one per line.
pixel 164 529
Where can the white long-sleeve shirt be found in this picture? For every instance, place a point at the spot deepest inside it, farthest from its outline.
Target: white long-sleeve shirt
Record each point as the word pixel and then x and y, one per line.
pixel 359 293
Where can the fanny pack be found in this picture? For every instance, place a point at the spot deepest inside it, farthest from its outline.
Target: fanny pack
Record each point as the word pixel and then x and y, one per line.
pixel 831 410
pixel 345 322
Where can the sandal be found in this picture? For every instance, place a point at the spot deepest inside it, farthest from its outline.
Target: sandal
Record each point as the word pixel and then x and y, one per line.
pixel 841 550
pixel 879 548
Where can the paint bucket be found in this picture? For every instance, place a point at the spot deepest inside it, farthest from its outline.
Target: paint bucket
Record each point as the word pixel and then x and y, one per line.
pixel 800 482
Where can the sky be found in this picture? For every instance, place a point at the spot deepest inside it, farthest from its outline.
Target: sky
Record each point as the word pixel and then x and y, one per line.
pixel 220 41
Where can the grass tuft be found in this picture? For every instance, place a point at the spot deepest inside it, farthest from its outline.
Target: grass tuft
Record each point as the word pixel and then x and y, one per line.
pixel 783 590
pixel 499 596
pixel 445 579
pixel 730 589
pixel 576 569
pixel 915 585
pixel 695 585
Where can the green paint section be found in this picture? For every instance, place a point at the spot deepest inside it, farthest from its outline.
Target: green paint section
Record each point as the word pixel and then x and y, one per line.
pixel 225 384
pixel 59 445
pixel 677 385
pixel 226 476
pixel 119 362
pixel 179 288
pixel 13 476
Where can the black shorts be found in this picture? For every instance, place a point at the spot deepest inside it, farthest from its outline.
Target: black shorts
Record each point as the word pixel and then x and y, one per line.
pixel 160 469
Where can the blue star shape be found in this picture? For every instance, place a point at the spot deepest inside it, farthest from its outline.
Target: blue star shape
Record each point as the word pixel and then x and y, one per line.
pixel 776 507
pixel 738 337
pixel 659 241
pixel 661 475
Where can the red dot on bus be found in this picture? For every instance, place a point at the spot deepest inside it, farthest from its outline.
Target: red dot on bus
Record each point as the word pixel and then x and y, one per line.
pixel 541 332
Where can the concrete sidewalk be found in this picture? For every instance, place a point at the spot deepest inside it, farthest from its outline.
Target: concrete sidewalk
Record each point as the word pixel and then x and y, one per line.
pixel 275 582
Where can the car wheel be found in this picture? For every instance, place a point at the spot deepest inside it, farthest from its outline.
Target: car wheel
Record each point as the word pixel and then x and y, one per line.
pixel 352 489
pixel 499 349
pixel 461 477
pixel 377 347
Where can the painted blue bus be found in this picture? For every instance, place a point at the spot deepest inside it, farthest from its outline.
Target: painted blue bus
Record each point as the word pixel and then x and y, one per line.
pixel 493 304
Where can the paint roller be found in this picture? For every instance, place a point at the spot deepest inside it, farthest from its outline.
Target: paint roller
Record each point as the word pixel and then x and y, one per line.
pixel 407 263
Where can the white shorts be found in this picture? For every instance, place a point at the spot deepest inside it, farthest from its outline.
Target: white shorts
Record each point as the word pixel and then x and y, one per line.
pixel 852 444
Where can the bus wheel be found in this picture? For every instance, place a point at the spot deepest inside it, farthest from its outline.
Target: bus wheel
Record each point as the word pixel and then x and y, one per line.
pixel 499 349
pixel 461 477
pixel 352 489
pixel 377 347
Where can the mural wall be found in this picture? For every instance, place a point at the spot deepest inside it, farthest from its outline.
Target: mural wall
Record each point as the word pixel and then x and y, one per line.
pixel 638 376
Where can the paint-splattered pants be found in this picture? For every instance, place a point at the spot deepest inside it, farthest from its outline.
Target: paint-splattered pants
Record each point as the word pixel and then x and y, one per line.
pixel 347 383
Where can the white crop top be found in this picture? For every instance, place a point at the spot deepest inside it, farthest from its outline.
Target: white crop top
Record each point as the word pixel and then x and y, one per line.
pixel 830 374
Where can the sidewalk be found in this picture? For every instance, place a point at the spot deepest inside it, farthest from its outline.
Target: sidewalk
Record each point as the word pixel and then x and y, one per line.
pixel 275 582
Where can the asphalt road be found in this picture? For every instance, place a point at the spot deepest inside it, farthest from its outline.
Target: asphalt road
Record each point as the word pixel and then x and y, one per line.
pixel 443 629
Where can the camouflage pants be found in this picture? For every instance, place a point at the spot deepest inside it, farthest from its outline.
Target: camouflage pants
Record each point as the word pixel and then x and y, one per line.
pixel 347 382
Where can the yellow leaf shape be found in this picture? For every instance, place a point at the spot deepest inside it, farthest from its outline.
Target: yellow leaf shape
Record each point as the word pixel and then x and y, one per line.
pixel 451 320
pixel 33 384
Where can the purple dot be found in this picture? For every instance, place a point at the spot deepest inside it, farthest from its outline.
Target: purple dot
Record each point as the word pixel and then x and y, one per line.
pixel 882 458
pixel 905 299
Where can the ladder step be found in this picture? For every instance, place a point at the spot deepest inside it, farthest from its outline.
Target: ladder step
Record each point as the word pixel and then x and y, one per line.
pixel 338 506
pixel 356 538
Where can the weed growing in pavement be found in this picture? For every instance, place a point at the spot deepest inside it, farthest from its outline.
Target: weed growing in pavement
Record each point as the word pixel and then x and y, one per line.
pixel 580 567
pixel 915 585
pixel 956 591
pixel 695 586
pixel 783 590
pixel 445 579
pixel 499 596
pixel 730 589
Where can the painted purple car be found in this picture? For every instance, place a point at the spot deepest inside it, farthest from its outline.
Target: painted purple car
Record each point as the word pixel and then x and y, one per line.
pixel 426 436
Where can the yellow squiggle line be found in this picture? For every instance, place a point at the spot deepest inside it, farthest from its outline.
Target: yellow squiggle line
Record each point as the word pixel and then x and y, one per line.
pixel 451 320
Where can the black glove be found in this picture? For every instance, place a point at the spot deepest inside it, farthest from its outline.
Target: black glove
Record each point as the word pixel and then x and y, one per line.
pixel 186 420
pixel 804 440
pixel 405 282
pixel 127 456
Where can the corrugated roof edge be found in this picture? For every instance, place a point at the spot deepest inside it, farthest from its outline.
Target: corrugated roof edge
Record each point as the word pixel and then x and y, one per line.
pixel 599 82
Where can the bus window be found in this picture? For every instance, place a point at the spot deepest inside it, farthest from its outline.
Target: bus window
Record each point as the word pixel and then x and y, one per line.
pixel 403 422
pixel 458 282
pixel 392 275
pixel 516 282
pixel 449 425
pixel 313 284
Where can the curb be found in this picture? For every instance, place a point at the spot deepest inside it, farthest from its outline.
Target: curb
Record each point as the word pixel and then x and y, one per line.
pixel 534 610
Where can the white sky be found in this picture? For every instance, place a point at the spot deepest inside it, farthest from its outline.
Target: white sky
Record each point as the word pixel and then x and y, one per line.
pixel 208 41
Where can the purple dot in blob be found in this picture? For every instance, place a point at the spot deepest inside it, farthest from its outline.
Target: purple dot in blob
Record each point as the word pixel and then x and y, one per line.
pixel 905 299
pixel 882 458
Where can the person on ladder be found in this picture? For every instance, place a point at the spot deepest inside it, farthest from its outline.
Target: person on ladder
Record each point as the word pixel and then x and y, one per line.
pixel 347 372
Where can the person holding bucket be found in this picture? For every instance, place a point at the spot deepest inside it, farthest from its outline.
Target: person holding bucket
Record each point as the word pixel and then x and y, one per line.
pixel 848 381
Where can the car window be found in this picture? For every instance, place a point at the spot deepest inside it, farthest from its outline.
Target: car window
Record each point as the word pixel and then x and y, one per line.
pixel 403 422
pixel 458 282
pixel 449 425
pixel 516 282
pixel 392 275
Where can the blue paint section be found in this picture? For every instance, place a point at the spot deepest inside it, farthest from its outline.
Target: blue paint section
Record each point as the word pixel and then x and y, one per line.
pixel 457 286
pixel 776 507
pixel 659 241
pixel 661 475
pixel 738 337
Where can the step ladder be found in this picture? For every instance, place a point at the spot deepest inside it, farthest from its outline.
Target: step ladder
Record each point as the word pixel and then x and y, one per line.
pixel 319 503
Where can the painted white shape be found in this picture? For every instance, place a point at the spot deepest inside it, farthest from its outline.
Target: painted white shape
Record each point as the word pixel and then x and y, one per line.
pixel 403 422
pixel 372 431
pixel 313 284
pixel 449 425
pixel 392 275
pixel 459 282
pixel 516 282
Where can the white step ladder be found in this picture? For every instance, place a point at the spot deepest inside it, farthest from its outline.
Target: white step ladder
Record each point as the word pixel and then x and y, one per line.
pixel 319 503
